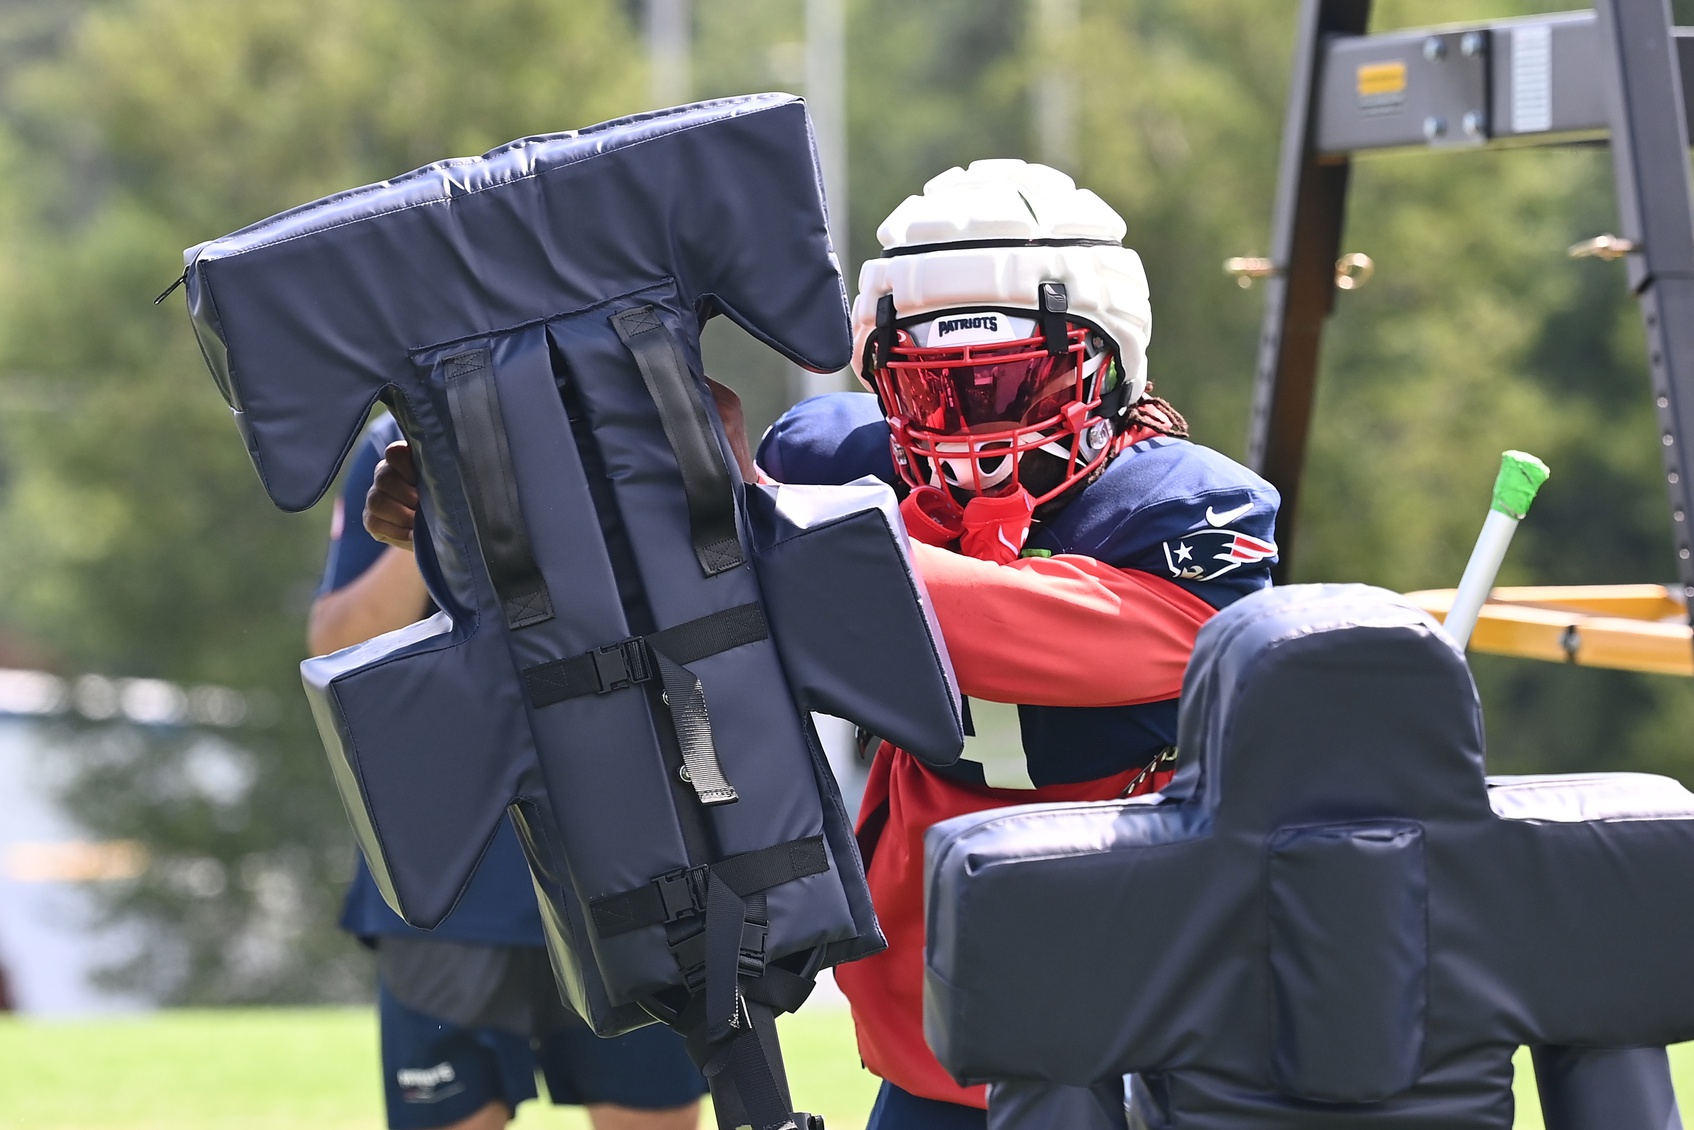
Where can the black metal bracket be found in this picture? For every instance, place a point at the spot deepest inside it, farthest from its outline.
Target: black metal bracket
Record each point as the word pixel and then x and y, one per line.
pixel 1615 72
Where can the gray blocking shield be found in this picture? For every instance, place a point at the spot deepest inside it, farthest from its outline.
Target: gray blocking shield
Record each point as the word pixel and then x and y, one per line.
pixel 630 636
pixel 1330 918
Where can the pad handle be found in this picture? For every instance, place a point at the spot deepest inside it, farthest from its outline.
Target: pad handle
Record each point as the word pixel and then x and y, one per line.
pixel 491 486
pixel 705 476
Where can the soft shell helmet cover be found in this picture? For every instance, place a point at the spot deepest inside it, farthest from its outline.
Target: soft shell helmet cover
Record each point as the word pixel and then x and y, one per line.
pixel 994 237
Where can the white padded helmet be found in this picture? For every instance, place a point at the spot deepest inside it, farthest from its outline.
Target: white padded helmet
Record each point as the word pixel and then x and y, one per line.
pixel 988 237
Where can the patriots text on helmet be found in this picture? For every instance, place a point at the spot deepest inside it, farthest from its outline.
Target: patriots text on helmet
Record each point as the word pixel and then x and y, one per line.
pixel 990 322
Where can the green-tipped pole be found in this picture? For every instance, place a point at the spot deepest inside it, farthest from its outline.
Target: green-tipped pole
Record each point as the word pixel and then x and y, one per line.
pixel 1521 475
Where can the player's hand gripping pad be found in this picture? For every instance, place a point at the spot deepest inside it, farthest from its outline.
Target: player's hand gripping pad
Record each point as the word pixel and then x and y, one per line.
pixel 1329 918
pixel 605 664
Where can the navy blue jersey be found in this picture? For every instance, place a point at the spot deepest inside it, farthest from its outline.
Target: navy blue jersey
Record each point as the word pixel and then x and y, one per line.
pixel 498 908
pixel 1178 511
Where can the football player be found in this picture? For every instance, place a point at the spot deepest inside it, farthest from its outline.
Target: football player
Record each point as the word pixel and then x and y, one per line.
pixel 1074 539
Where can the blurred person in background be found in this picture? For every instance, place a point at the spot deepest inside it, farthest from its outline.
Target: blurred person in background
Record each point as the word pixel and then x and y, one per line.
pixel 469 1010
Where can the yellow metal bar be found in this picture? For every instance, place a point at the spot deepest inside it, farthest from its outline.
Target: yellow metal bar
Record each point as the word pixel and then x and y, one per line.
pixel 1634 602
pixel 1624 627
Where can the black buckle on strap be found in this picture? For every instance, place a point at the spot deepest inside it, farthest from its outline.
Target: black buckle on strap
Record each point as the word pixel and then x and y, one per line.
pixel 755 938
pixel 620 665
pixel 682 893
pixel 632 661
pixel 750 958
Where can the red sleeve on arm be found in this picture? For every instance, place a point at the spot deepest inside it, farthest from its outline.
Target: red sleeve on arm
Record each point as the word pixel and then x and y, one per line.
pixel 1061 631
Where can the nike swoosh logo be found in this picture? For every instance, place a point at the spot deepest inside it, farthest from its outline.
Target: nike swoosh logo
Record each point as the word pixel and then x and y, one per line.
pixel 1213 518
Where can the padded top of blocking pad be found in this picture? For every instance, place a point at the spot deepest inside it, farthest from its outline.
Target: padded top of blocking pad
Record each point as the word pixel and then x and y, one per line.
pixel 306 317
pixel 1371 700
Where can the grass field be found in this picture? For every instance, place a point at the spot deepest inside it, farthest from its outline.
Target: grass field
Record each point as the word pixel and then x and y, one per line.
pixel 276 1068
pixel 294 1068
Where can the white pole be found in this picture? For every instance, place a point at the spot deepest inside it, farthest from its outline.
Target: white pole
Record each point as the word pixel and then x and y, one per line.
pixel 669 51
pixel 1478 581
pixel 1053 91
pixel 826 100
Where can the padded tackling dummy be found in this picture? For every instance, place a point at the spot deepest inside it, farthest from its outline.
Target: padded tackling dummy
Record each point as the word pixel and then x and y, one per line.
pixel 627 648
pixel 1329 919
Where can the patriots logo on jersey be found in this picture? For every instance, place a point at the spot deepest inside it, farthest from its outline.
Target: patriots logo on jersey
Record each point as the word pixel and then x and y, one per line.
pixel 1206 554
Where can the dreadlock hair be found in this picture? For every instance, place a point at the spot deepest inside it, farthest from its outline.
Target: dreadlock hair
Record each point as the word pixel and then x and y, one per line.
pixel 1156 414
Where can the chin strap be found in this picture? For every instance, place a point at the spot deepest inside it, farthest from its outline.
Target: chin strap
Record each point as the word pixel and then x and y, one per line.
pixel 883 341
pixel 1055 326
pixel 1115 405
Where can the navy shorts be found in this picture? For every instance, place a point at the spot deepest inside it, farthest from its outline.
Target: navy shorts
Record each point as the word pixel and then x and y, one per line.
pixel 437 1071
pixel 901 1110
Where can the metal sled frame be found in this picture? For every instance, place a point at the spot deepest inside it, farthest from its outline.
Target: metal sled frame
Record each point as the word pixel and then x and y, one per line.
pixel 1575 77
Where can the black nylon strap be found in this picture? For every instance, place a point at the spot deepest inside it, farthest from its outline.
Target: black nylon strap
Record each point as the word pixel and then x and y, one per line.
pixel 746 1076
pixel 683 894
pixel 886 335
pixel 781 990
pixel 761 870
pixel 707 635
pixel 758 1081
pixel 624 664
pixel 485 460
pixel 725 913
pixel 705 477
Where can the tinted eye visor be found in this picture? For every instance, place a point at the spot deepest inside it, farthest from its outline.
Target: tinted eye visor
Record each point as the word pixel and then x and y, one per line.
pixel 990 387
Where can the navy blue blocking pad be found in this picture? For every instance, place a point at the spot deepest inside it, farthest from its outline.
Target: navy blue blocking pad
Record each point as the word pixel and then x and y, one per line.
pixel 626 654
pixel 1330 918
pixel 307 317
pixel 1164 508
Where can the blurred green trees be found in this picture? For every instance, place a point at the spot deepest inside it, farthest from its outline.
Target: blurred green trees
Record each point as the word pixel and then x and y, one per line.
pixel 134 539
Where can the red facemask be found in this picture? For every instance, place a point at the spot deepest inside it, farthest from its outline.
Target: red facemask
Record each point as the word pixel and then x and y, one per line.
pixel 965 417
